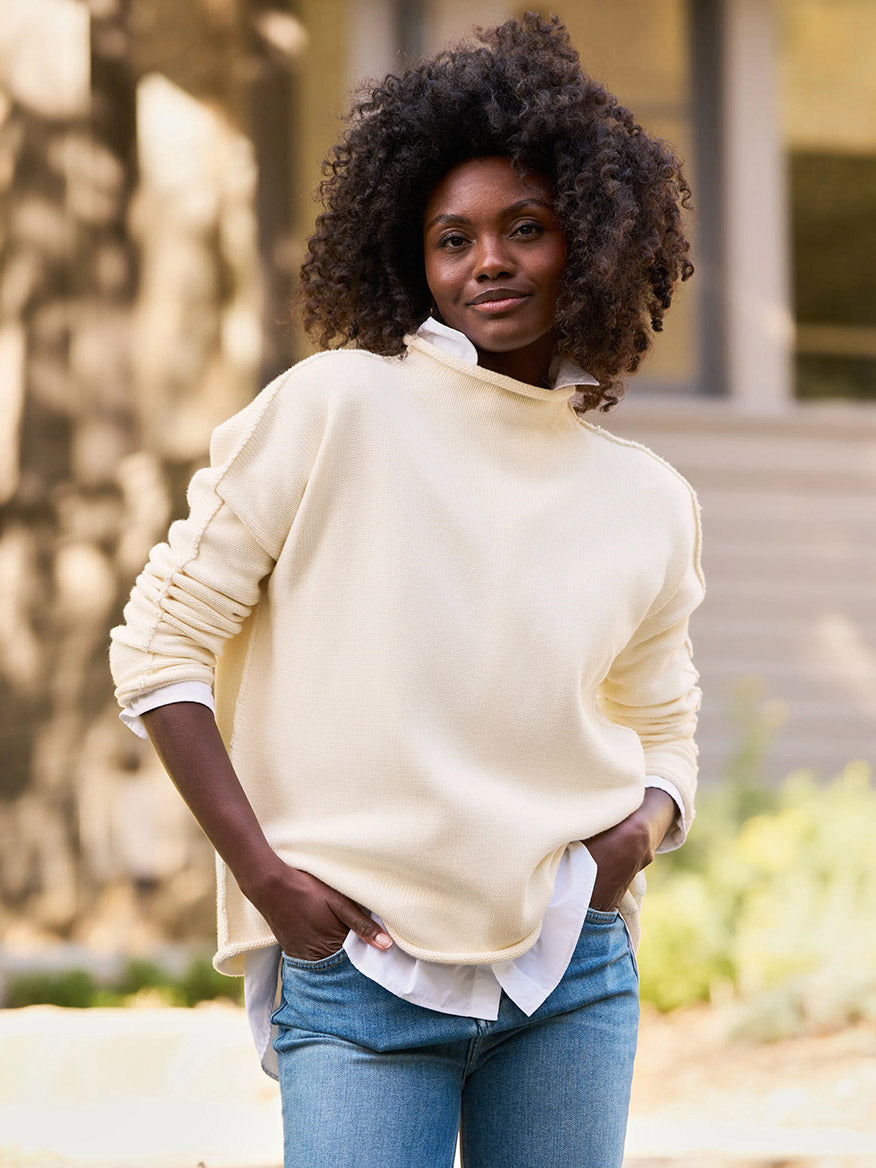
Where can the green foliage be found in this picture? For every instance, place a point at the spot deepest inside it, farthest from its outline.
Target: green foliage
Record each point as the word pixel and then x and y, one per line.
pixel 74 987
pixel 140 975
pixel 201 982
pixel 772 903
pixel 140 980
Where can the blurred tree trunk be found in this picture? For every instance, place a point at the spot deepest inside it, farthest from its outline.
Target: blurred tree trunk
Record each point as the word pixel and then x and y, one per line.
pixel 67 286
pixel 145 207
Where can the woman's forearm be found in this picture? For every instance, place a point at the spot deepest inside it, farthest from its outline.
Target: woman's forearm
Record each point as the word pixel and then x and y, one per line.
pixel 308 918
pixel 187 740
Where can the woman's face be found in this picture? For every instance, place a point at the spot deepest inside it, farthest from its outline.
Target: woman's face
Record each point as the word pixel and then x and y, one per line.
pixel 494 256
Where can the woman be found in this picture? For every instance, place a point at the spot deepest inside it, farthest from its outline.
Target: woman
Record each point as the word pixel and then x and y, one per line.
pixel 455 676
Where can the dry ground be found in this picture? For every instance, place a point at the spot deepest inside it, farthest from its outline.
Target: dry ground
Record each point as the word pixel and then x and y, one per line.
pixel 702 1099
pixel 161 1088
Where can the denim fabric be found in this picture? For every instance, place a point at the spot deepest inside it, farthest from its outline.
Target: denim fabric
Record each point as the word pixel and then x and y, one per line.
pixel 367 1078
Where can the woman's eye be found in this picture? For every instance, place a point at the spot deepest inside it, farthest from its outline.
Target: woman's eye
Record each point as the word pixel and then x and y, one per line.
pixel 452 242
pixel 528 229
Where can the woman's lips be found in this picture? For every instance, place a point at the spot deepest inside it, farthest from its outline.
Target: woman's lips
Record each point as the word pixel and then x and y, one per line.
pixel 498 301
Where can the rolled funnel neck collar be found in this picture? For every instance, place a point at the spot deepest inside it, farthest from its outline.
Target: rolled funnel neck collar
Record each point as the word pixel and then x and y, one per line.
pixel 561 374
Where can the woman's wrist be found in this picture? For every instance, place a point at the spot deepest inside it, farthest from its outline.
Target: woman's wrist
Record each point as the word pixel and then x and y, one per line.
pixel 263 876
pixel 658 812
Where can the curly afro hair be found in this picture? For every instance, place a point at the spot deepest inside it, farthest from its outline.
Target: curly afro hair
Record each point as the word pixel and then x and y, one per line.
pixel 518 93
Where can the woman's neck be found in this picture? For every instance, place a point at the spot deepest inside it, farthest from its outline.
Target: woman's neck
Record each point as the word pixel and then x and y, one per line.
pixel 530 365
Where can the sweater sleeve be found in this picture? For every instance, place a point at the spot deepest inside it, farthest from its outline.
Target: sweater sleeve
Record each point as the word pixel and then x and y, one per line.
pixel 199 586
pixel 652 684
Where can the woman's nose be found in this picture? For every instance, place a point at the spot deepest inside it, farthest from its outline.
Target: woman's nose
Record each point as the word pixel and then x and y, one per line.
pixel 492 259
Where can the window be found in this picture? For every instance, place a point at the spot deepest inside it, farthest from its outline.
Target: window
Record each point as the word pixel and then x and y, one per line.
pixel 829 93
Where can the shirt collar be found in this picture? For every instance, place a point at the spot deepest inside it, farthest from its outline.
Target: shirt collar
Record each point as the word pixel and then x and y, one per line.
pixel 562 373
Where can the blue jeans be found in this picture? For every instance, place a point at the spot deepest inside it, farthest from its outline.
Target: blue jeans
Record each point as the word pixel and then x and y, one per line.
pixel 367 1079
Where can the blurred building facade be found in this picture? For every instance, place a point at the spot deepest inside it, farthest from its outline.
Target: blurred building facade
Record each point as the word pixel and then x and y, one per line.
pixel 156 189
pixel 762 389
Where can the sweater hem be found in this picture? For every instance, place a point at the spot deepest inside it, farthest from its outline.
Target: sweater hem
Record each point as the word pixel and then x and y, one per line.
pixel 462 956
pixel 228 959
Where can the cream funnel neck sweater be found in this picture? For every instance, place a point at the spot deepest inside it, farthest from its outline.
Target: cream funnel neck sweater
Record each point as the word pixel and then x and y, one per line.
pixel 450 619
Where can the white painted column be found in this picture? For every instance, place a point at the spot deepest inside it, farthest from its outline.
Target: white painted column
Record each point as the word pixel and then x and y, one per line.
pixel 373 51
pixel 759 323
pixel 452 20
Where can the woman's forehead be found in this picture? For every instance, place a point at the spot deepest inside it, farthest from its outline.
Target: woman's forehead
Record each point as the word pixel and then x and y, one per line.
pixel 489 181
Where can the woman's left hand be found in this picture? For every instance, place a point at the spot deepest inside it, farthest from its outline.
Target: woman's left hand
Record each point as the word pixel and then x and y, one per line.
pixel 628 847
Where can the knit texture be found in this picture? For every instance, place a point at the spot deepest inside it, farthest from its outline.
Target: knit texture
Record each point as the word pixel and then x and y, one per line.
pixel 451 623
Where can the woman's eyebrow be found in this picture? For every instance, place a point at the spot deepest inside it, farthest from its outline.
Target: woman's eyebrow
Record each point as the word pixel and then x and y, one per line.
pixel 450 218
pixel 445 218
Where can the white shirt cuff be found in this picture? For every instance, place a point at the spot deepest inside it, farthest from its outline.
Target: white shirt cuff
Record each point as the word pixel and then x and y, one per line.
pixel 677 833
pixel 165 695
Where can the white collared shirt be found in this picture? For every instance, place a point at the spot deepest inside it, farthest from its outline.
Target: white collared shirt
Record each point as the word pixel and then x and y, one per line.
pixel 562 371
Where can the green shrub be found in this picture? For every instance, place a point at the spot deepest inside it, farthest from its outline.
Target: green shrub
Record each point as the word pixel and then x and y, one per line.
pixel 776 909
pixel 76 987
pixel 72 988
pixel 140 975
pixel 201 983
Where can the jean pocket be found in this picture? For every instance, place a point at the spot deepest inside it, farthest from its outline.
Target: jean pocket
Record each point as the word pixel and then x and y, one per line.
pixel 630 946
pixel 321 963
pixel 598 916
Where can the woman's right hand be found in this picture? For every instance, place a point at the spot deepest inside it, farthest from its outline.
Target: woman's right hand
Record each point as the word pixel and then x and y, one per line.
pixel 309 918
